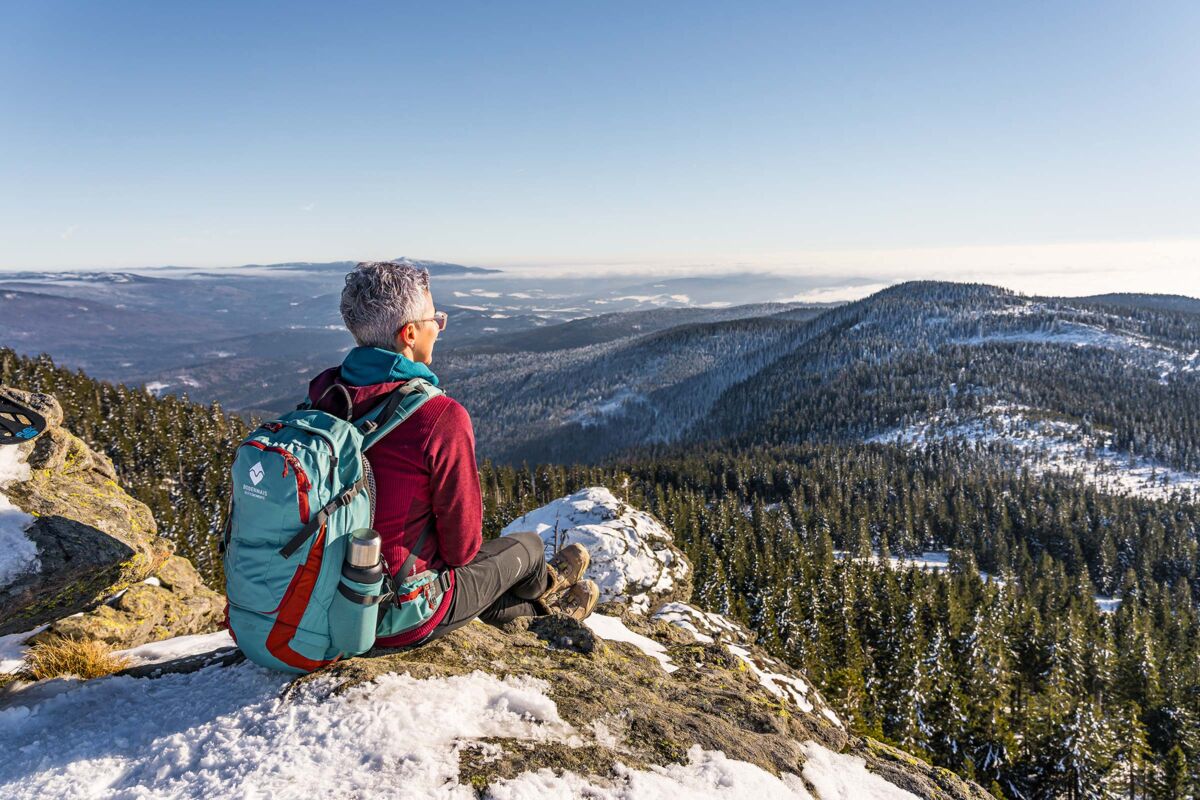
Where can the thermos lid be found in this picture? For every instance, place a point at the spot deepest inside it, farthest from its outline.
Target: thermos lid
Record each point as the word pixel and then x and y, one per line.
pixel 364 548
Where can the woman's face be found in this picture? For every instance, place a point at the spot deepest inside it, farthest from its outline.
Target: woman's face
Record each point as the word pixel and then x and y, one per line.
pixel 420 335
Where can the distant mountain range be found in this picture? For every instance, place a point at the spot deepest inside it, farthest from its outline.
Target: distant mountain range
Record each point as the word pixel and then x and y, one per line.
pixel 571 370
pixel 434 268
pixel 249 336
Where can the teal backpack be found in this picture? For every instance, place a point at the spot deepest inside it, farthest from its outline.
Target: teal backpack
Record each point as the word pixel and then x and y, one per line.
pixel 301 488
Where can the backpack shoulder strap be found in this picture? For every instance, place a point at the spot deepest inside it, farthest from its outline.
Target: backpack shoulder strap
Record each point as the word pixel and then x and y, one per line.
pixel 399 406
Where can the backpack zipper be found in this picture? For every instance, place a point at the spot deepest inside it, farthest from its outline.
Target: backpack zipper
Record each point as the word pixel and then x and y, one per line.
pixel 303 484
pixel 333 459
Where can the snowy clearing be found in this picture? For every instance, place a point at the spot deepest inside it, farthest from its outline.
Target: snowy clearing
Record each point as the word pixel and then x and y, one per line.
pixel 1054 445
pixel 939 561
pixel 598 412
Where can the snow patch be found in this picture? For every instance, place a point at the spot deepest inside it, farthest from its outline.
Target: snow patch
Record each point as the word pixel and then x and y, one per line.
pixel 704 625
pixel 18 554
pixel 226 732
pixel 12 650
pixel 786 686
pixel 708 775
pixel 842 777
pixel 178 647
pixel 613 630
pixel 774 676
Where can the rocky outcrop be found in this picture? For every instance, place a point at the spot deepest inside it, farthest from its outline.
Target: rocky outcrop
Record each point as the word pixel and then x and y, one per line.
pixel 172 602
pixel 96 549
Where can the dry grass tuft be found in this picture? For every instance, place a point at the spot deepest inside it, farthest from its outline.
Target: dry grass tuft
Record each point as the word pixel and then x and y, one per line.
pixel 58 657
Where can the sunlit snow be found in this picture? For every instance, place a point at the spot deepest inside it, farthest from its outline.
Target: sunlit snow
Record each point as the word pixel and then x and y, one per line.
pixel 18 554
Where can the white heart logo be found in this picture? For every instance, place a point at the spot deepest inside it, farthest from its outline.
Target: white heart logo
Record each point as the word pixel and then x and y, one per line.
pixel 256 473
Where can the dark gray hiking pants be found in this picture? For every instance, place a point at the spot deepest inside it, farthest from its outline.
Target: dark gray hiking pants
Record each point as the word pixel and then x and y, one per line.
pixel 499 584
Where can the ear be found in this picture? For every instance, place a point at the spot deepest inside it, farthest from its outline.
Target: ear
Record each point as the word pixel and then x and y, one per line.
pixel 406 336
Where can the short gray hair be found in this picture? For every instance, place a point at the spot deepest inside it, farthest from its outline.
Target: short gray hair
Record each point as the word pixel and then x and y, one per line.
pixel 379 298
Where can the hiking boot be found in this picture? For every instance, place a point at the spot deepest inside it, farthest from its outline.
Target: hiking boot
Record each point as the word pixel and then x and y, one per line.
pixel 579 600
pixel 565 570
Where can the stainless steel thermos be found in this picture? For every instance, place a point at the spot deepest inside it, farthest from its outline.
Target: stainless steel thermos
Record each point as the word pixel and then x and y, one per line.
pixel 355 609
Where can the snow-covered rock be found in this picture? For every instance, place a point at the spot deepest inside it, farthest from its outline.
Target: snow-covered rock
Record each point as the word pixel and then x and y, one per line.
pixel 634 559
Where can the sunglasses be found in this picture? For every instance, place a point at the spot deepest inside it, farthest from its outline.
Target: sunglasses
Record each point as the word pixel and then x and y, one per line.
pixel 439 317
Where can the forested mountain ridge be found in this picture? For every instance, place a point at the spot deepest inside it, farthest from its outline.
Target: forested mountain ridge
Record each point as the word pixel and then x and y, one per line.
pixel 585 403
pixel 1121 371
pixel 918 349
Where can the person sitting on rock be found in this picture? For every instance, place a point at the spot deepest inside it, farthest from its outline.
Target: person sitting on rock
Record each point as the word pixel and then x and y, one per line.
pixel 425 471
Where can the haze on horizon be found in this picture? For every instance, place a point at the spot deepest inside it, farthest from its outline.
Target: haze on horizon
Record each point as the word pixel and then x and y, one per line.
pixel 1045 149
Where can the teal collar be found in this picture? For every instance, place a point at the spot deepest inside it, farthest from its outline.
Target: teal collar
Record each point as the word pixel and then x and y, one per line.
pixel 364 366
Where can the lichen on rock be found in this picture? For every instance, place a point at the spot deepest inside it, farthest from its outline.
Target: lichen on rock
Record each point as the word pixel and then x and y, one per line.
pixel 172 602
pixel 96 545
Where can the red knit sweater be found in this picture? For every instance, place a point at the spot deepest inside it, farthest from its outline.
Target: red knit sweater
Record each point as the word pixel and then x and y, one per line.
pixel 424 468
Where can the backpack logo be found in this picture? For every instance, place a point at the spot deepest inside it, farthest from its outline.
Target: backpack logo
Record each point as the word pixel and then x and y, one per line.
pixel 256 473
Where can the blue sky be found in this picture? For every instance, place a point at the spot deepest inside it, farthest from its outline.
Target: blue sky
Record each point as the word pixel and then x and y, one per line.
pixel 881 139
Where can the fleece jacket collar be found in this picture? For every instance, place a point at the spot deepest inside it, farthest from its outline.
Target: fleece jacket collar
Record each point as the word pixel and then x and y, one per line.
pixel 364 366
